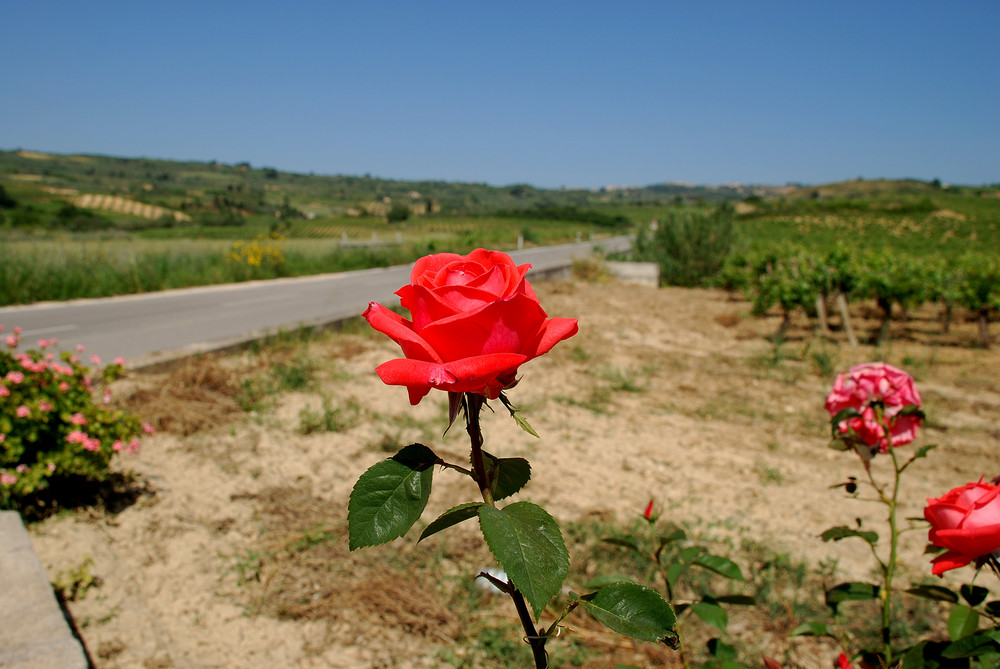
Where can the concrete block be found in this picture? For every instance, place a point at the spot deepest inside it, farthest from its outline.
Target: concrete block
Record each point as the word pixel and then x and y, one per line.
pixel 33 632
pixel 645 273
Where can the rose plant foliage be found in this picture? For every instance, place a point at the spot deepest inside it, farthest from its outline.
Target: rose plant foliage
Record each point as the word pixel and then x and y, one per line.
pixel 58 431
pixel 474 321
pixel 875 409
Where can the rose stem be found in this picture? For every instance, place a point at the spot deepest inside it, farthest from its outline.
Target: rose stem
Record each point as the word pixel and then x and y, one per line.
pixel 536 638
pixel 893 548
pixel 889 568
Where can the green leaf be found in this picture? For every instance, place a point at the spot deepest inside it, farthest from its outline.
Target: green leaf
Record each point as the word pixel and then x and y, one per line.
pixel 993 608
pixel 843 415
pixel 511 474
pixel 962 622
pixel 523 423
pixel 720 565
pixel 711 613
pixel 914 657
pixel 720 650
pixel 911 410
pixel 634 610
pixel 690 553
pixel 813 629
pixel 975 645
pixel 527 543
pixel 518 418
pixel 843 532
pixel 851 591
pixel 626 542
pixel 601 581
pixel 974 594
pixel 923 451
pixel 675 571
pixel 388 498
pixel 935 592
pixel 677 534
pixel 452 516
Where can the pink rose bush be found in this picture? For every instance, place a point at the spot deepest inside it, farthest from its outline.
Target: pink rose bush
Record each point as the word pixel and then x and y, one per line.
pixel 474 320
pixel 54 436
pixel 876 393
pixel 966 522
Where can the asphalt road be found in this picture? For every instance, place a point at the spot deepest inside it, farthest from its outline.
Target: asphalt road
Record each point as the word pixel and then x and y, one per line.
pixel 152 328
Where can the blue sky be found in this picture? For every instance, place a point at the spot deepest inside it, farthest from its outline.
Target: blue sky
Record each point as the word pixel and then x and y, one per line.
pixel 576 94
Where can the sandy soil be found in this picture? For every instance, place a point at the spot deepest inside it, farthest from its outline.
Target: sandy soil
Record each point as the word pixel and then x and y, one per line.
pixel 670 394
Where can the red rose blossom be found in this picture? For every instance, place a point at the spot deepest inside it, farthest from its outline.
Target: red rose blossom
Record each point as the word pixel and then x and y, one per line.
pixel 863 386
pixel 475 320
pixel 966 521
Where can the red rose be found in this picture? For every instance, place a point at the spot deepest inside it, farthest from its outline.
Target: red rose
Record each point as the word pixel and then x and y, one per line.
pixel 966 521
pixel 863 386
pixel 475 320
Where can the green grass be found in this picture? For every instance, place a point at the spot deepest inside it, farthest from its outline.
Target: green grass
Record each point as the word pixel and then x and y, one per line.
pixel 62 266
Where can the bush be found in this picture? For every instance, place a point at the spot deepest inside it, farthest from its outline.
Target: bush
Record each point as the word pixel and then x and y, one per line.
pixel 75 219
pixel 398 213
pixel 690 246
pixel 56 441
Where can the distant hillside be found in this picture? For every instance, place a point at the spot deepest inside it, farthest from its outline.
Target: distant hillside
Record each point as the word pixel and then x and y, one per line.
pixel 195 187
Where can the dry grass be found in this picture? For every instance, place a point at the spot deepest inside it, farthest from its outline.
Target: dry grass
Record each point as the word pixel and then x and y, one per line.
pixel 196 397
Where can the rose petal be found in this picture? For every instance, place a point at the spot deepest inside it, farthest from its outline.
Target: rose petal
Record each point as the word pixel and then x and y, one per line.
pixel 424 306
pixel 944 515
pixel 949 560
pixel 467 375
pixel 400 331
pixel 555 330
pixel 508 326
pixel 973 542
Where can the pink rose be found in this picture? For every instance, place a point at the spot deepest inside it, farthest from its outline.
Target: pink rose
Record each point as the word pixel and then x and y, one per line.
pixel 76 437
pixel 966 521
pixel 15 377
pixel 863 387
pixel 475 320
pixel 23 411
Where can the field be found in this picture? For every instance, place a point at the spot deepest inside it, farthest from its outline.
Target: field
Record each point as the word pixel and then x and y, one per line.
pixel 229 548
pixel 224 543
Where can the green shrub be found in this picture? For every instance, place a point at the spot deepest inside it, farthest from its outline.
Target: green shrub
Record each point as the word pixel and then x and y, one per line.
pixel 399 213
pixel 56 441
pixel 690 246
